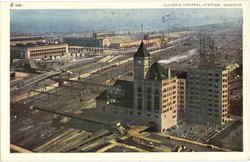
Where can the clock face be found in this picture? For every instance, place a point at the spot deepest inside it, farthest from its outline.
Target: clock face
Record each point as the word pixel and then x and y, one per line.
pixel 139 61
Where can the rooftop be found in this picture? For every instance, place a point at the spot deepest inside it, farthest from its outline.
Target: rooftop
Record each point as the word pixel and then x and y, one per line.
pixel 36 45
pixel 180 74
pixel 121 94
pixel 142 51
pixel 157 72
pixel 25 38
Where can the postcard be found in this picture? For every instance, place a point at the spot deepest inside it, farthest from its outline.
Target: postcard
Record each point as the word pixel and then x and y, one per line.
pixel 129 81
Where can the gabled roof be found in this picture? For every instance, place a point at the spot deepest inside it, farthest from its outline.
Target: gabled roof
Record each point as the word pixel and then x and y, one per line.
pixel 122 92
pixel 142 51
pixel 157 72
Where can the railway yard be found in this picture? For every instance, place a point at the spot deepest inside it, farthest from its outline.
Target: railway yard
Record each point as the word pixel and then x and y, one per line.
pixel 55 111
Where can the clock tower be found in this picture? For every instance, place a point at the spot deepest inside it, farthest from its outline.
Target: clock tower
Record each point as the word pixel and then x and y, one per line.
pixel 141 62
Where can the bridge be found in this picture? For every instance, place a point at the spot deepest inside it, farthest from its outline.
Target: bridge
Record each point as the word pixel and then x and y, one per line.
pixel 62 81
pixel 34 80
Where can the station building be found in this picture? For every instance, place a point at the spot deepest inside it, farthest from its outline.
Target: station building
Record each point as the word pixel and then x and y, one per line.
pixel 151 99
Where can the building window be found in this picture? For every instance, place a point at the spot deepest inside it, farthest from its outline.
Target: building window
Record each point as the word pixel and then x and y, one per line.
pixel 149 106
pixel 156 103
pixel 139 89
pixel 156 92
pixel 157 109
pixel 139 101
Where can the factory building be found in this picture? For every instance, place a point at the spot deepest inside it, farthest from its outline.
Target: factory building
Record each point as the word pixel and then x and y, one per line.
pixel 41 51
pixel 207 96
pixel 84 42
pixel 151 99
pixel 156 42
pixel 24 40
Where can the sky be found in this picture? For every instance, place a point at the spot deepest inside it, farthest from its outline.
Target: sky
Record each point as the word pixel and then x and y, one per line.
pixel 89 20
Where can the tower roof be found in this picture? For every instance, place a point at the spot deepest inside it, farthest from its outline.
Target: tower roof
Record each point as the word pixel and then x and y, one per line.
pixel 157 72
pixel 142 51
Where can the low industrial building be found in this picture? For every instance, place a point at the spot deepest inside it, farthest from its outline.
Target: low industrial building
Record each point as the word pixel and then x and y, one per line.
pixel 24 40
pixel 84 42
pixel 39 51
pixel 79 51
pixel 155 42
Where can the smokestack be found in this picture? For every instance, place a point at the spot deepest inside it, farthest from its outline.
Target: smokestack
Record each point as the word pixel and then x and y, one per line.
pixel 169 73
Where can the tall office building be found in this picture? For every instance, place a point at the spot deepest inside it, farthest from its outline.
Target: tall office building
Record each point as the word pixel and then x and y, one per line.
pixel 207 96
pixel 208 89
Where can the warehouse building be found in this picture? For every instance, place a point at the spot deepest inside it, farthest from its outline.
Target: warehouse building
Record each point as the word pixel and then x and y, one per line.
pixel 39 51
pixel 84 42
pixel 24 40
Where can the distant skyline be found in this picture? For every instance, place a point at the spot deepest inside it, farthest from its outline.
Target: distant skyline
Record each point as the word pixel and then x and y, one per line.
pixel 126 20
